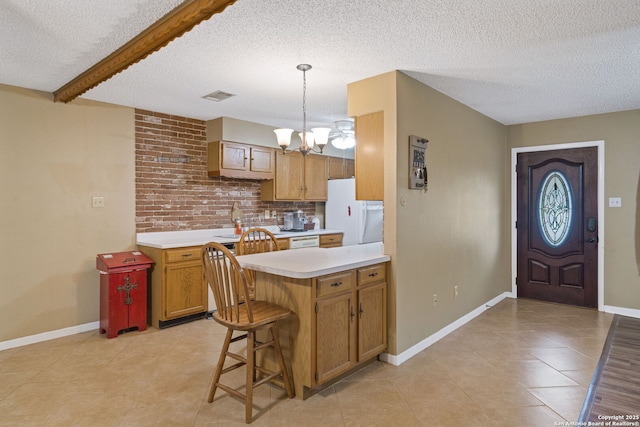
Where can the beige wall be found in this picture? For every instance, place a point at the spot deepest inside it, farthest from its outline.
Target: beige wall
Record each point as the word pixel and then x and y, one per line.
pixel 53 159
pixel 453 234
pixel 621 133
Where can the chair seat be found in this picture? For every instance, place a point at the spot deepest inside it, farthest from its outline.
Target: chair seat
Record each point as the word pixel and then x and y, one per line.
pixel 263 313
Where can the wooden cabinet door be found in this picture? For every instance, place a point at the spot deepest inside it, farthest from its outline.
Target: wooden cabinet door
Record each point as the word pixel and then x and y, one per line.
pixel 331 240
pixel 315 178
pixel 234 156
pixel 349 168
pixel 289 175
pixel 262 159
pixel 372 321
pixel 283 244
pixel 185 290
pixel 340 168
pixel 369 156
pixel 335 336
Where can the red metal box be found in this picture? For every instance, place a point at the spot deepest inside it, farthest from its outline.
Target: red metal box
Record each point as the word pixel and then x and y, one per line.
pixel 123 291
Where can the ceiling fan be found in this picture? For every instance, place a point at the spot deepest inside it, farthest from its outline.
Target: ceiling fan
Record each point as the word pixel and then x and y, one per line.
pixel 343 137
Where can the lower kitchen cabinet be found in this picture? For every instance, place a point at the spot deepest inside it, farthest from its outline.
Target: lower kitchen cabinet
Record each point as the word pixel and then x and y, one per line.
pixel 178 290
pixel 335 325
pixel 372 311
pixel 331 240
pixel 283 244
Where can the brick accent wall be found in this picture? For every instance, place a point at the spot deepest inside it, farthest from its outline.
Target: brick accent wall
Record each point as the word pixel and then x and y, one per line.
pixel 173 190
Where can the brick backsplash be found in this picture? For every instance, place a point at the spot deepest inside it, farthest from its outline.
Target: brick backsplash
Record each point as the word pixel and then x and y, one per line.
pixel 173 190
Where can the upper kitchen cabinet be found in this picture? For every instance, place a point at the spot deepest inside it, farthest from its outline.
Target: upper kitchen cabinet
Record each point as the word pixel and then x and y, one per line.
pixel 340 168
pixel 235 160
pixel 369 156
pixel 297 177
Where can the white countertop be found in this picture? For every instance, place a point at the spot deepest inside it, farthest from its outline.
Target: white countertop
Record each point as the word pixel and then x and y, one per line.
pixel 181 239
pixel 313 262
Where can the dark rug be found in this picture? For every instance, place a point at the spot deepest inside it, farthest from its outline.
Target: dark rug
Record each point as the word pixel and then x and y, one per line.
pixel 614 392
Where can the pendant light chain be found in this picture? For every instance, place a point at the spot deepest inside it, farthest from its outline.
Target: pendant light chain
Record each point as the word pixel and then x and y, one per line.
pixel 304 107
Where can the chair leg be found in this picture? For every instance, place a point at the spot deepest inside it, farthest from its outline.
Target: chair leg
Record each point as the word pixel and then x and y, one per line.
pixel 218 371
pixel 251 374
pixel 278 350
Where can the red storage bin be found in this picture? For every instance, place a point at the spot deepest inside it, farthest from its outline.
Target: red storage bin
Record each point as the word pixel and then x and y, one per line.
pixel 123 291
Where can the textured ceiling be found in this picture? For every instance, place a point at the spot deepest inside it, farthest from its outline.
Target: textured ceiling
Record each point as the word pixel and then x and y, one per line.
pixel 516 61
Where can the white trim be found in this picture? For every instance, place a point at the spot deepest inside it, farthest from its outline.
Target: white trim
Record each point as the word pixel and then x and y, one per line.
pixel 432 339
pixel 46 336
pixel 514 207
pixel 630 312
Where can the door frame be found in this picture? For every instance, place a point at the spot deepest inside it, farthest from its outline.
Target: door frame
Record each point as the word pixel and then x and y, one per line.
pixel 514 207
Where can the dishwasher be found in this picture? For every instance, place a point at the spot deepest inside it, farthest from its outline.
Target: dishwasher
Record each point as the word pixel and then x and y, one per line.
pixel 211 302
pixel 304 242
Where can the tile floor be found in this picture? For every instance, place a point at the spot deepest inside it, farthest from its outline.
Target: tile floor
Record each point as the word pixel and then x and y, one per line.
pixel 522 362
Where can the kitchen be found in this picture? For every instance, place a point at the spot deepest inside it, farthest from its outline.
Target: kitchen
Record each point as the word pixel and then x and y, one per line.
pixel 200 205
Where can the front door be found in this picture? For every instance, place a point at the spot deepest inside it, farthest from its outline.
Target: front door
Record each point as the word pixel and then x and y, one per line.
pixel 557 226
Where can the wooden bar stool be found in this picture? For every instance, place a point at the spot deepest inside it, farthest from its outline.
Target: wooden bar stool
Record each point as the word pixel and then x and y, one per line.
pixel 230 287
pixel 253 241
pixel 256 240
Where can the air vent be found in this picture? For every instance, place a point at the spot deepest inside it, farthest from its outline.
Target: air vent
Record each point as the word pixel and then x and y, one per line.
pixel 218 96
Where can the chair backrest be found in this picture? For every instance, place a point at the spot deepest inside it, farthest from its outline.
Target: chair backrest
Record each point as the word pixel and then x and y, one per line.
pixel 228 282
pixel 256 240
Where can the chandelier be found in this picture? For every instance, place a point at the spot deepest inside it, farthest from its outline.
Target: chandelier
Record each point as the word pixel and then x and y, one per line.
pixel 317 137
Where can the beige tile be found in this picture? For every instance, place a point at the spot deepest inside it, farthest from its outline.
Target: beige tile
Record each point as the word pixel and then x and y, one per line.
pixel 535 373
pixel 566 401
pixel 497 391
pixel 582 377
pixel 373 403
pixel 318 410
pixel 564 359
pixel 529 416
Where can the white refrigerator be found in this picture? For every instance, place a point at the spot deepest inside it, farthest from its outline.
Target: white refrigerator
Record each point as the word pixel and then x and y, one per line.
pixel 360 220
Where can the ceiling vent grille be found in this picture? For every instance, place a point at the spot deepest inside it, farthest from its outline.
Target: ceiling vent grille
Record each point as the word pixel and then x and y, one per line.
pixel 218 96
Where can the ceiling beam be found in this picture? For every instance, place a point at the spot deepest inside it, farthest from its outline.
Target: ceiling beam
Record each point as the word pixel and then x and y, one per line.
pixel 171 26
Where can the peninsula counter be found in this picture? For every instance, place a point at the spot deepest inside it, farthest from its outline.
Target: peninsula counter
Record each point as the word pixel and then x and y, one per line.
pixel 338 297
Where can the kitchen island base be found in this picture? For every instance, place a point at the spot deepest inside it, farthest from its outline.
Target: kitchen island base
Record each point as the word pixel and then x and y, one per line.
pixel 339 323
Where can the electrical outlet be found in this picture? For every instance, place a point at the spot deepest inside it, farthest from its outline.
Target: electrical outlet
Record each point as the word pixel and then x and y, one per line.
pixel 266 214
pixel 455 292
pixel 615 202
pixel 435 300
pixel 97 202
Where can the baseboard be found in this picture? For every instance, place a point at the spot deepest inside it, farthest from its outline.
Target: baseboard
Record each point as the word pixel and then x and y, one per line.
pixel 430 340
pixel 46 336
pixel 629 312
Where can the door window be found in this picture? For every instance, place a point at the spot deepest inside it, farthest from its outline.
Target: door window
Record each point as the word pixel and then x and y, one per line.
pixel 555 208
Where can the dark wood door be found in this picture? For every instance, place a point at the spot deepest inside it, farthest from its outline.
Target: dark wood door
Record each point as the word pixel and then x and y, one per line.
pixel 557 226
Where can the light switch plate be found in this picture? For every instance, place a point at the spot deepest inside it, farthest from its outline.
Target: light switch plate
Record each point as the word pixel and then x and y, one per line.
pixel 615 202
